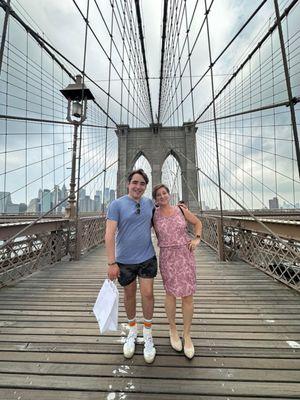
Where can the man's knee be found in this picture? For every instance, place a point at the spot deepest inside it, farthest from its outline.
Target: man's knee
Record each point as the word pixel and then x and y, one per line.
pixel 147 290
pixel 148 296
pixel 130 290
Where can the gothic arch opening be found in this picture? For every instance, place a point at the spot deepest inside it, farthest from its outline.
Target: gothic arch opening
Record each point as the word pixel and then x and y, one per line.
pixel 171 176
pixel 142 162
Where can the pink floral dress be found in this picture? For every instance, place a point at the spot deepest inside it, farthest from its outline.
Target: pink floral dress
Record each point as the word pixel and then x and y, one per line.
pixel 176 262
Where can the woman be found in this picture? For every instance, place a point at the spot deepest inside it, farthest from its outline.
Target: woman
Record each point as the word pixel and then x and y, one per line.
pixel 177 263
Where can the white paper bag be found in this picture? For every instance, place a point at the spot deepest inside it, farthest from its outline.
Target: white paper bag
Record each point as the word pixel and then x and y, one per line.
pixel 106 307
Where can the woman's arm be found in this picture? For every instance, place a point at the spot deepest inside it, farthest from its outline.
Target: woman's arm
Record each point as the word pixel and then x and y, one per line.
pixel 192 219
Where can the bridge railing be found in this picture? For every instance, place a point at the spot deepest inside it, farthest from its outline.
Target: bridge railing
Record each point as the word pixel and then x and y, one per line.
pixel 245 239
pixel 45 243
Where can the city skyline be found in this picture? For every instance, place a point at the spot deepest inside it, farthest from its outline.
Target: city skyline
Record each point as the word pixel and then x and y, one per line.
pixel 47 199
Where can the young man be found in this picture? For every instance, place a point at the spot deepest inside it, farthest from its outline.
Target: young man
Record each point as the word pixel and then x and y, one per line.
pixel 131 254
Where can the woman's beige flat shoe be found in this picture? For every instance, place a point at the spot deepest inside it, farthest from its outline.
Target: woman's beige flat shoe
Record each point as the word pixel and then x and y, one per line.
pixel 176 344
pixel 189 352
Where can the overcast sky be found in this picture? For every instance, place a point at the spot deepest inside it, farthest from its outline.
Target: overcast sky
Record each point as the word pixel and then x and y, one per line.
pixel 61 24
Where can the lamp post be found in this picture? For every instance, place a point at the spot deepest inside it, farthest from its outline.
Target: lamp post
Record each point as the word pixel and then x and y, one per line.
pixel 77 95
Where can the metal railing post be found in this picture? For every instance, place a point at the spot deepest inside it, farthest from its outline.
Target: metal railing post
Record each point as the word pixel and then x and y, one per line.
pixel 220 235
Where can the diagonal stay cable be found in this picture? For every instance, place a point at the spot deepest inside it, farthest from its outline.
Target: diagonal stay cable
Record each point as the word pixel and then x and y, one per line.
pixel 104 51
pixel 250 55
pixel 235 201
pixel 162 60
pixel 53 208
pixel 224 50
pixel 46 46
pixel 121 56
pixel 139 18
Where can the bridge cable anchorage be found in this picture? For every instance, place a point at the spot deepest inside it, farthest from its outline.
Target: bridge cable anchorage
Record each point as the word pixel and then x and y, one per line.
pixel 169 145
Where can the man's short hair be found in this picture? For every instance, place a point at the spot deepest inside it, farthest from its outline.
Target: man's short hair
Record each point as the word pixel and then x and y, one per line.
pixel 139 171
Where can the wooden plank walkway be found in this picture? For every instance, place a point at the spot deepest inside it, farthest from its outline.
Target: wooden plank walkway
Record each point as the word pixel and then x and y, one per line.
pixel 246 331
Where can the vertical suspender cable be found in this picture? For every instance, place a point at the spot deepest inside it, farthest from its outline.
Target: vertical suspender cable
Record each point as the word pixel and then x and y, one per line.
pixel 288 84
pixel 163 42
pixel 108 102
pixel 4 30
pixel 214 114
pixel 139 18
pixel 78 246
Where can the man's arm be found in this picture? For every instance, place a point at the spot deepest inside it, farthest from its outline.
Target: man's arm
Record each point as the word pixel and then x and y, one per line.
pixel 113 270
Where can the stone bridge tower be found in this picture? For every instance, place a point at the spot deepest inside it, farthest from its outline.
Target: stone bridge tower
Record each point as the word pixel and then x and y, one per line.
pixel 156 143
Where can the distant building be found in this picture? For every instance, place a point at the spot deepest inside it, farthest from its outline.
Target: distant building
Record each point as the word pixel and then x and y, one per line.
pixel 6 205
pixel 112 195
pixel 56 198
pixel 82 194
pixel 273 203
pixel 22 208
pixel 13 208
pixel 97 202
pixel 46 201
pixel 290 206
pixel 5 199
pixel 34 206
pixel 106 195
pixel 64 195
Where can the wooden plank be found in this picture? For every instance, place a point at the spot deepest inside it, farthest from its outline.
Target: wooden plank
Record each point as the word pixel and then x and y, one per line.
pixel 27 394
pixel 155 385
pixel 170 360
pixel 245 329
pixel 140 371
pixel 89 335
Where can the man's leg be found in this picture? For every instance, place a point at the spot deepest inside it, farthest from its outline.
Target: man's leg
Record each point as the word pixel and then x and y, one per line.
pixel 146 288
pixel 130 307
pixel 130 300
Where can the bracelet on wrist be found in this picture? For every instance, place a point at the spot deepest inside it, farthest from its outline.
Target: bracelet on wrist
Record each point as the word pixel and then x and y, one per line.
pixel 110 264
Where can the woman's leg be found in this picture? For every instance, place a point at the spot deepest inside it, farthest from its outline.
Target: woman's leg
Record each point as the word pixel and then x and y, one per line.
pixel 187 313
pixel 170 306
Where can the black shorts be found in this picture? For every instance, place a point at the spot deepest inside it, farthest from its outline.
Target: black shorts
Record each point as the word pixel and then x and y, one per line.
pixel 129 272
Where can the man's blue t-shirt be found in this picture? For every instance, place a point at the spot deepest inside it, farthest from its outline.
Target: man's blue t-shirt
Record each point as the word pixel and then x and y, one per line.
pixel 133 239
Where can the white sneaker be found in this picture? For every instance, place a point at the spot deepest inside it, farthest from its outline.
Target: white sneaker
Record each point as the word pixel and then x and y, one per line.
pixel 129 345
pixel 149 349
